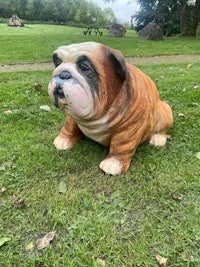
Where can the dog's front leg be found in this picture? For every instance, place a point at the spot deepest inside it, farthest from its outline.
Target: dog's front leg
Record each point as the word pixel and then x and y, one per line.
pixel 115 164
pixel 69 135
pixel 119 158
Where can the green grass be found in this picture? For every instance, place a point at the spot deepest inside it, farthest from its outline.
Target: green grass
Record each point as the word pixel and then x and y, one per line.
pixel 37 42
pixel 125 220
pixel 121 221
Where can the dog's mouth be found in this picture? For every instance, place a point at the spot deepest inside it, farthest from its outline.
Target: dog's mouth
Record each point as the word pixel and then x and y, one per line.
pixel 70 96
pixel 60 89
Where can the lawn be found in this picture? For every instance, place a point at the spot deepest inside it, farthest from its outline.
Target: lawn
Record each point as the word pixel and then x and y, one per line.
pixel 98 220
pixel 35 43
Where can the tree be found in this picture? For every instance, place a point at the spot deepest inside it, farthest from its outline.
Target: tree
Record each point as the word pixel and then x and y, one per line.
pixel 195 18
pixel 184 28
pixel 62 7
pixel 79 12
pixel 109 16
pixel 174 16
pixel 166 13
pixel 7 9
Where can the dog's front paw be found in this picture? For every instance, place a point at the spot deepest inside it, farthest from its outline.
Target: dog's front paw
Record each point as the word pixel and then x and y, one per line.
pixel 111 166
pixel 63 143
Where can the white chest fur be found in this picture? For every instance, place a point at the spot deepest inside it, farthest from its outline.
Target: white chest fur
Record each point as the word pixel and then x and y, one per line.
pixel 96 130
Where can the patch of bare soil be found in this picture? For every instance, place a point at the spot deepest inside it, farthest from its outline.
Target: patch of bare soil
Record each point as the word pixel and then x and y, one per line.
pixel 172 59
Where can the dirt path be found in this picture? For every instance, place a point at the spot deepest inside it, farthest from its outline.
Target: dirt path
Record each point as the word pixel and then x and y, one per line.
pixel 26 66
pixel 172 59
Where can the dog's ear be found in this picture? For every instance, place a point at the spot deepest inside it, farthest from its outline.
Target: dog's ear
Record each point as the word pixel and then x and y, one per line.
pixel 118 62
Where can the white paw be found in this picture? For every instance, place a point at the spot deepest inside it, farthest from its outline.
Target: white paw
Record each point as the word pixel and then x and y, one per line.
pixel 62 143
pixel 158 139
pixel 111 166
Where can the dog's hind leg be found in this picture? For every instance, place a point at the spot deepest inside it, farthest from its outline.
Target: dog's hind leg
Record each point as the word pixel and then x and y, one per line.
pixel 159 139
pixel 164 122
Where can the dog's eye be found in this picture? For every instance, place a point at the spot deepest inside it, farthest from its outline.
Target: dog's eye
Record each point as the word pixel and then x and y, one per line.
pixel 84 67
pixel 56 60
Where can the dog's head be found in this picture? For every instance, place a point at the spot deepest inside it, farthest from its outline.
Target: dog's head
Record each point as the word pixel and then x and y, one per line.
pixel 87 79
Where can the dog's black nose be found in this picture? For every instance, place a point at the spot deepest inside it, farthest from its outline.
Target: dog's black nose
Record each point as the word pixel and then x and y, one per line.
pixel 65 75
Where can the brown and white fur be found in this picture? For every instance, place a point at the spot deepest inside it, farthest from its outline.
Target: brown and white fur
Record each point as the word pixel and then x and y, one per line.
pixel 107 100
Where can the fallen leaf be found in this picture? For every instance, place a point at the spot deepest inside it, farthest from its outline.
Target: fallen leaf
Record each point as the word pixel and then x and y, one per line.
pixel 30 246
pixel 181 115
pixel 195 104
pixel 198 155
pixel 2 168
pixel 8 112
pixel 45 108
pixel 161 260
pixel 4 240
pixel 160 78
pixel 37 86
pixel 184 257
pixel 3 189
pixel 101 262
pixel 189 65
pixel 62 189
pixel 19 202
pixel 196 86
pixel 178 197
pixel 45 241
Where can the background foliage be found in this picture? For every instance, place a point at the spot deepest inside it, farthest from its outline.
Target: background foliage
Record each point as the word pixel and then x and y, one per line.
pixel 59 11
pixel 174 16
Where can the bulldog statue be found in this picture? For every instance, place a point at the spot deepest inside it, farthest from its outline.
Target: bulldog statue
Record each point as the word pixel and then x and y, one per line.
pixel 107 100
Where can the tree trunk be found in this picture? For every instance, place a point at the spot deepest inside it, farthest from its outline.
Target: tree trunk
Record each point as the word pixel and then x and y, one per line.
pixel 132 26
pixel 196 18
pixel 184 30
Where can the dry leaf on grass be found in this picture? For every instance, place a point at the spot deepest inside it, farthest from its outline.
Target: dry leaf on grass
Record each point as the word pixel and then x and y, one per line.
pixel 19 203
pixel 45 108
pixel 8 112
pixel 101 262
pixel 3 189
pixel 4 240
pixel 178 197
pixel 160 78
pixel 161 260
pixel 30 246
pixel 62 188
pixel 181 115
pixel 184 257
pixel 198 155
pixel 45 241
pixel 37 86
